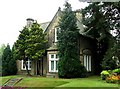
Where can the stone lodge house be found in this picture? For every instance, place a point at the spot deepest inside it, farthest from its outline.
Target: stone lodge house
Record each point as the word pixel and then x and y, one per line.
pixel 47 66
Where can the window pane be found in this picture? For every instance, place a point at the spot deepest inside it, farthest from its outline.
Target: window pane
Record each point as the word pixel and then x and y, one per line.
pixel 29 66
pixel 58 30
pixel 52 65
pixel 23 66
pixel 52 56
pixel 85 61
pixel 57 38
pixel 30 62
pixel 56 56
pixel 56 65
pixel 27 62
pixel 89 63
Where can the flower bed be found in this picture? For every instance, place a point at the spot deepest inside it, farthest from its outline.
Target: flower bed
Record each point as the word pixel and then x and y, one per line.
pixel 111 76
pixel 113 79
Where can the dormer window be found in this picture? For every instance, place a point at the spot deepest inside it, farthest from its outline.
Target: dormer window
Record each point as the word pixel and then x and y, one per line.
pixel 57 29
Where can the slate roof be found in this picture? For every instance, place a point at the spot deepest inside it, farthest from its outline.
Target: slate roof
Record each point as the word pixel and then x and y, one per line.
pixel 79 25
pixel 53 47
pixel 44 25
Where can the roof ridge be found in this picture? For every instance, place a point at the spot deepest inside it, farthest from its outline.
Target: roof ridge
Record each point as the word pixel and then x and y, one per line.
pixel 45 22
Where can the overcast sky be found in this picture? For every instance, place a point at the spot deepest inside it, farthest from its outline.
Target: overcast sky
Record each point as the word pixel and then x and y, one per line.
pixel 13 15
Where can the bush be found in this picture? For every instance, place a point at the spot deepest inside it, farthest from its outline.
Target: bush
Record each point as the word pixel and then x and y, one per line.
pixel 104 74
pixel 83 72
pixel 78 71
pixel 116 71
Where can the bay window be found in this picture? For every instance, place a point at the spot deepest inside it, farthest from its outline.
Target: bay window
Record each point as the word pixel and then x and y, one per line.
pixel 53 63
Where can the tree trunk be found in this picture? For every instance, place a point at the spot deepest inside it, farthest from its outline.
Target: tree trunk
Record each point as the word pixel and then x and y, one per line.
pixel 25 63
pixel 42 66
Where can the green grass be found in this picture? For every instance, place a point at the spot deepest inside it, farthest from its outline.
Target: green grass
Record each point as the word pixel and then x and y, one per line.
pixel 93 81
pixel 41 82
pixel 88 82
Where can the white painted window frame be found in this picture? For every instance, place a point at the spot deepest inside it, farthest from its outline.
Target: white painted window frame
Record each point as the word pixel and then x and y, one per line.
pixel 55 60
pixel 87 62
pixel 56 32
pixel 22 61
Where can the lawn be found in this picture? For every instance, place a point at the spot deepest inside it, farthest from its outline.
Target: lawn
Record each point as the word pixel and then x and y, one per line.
pixel 93 81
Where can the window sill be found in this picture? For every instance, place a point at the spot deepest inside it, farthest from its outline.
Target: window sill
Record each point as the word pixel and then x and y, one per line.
pixel 53 71
pixel 25 69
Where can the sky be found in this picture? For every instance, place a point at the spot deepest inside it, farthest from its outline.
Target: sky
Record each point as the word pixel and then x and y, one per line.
pixel 13 15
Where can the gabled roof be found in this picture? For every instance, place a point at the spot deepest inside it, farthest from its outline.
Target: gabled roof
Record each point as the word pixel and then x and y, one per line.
pixel 59 10
pixel 44 25
pixel 79 20
pixel 80 26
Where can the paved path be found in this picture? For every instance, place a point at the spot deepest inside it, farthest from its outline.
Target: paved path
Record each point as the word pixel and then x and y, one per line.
pixel 12 81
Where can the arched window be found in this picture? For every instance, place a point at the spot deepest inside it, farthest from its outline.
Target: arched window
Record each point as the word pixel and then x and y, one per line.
pixel 87 59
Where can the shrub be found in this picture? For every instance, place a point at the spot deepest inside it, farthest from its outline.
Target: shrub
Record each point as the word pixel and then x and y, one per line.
pixel 116 71
pixel 104 74
pixel 76 72
pixel 83 72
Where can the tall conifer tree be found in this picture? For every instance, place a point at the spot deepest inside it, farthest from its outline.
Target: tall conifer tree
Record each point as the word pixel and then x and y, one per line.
pixel 101 18
pixel 8 63
pixel 21 46
pixel 35 42
pixel 30 44
pixel 69 65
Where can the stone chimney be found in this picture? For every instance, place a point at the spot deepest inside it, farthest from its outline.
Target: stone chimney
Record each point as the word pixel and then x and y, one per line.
pixel 29 22
pixel 78 15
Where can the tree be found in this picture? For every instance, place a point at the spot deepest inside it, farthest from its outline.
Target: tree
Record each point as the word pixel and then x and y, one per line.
pixel 115 20
pixel 1 53
pixel 1 50
pixel 30 44
pixel 98 28
pixel 13 68
pixel 35 42
pixel 8 63
pixel 101 18
pixel 112 14
pixel 116 51
pixel 69 65
pixel 21 46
